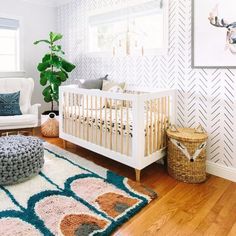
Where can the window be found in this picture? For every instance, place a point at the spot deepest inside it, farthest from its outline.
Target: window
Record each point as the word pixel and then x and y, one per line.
pixel 138 28
pixel 9 45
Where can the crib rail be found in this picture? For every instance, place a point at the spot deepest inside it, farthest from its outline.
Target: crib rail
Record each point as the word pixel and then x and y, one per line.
pixel 128 124
pixel 92 117
pixel 158 113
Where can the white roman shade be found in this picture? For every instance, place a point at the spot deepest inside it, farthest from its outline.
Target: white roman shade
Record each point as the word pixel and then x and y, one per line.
pixel 6 23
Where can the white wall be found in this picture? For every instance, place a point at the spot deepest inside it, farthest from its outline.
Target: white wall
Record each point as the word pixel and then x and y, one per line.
pixel 37 22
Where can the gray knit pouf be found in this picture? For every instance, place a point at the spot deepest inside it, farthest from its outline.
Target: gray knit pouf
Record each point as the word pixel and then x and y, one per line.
pixel 21 158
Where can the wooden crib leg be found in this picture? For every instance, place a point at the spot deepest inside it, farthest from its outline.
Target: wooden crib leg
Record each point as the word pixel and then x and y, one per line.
pixel 33 131
pixel 137 174
pixel 64 143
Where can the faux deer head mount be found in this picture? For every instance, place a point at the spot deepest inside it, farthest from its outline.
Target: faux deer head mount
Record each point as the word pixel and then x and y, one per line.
pixel 216 21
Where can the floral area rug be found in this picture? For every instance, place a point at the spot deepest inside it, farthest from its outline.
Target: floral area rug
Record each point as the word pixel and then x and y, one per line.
pixel 72 197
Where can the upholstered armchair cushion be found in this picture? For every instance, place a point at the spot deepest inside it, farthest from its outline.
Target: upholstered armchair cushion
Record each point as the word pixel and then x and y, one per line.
pixel 29 117
pixel 24 85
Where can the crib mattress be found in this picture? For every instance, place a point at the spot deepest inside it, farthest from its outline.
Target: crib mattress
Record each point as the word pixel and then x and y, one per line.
pixel 117 121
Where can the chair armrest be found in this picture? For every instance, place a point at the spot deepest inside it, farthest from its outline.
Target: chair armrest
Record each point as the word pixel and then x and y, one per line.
pixel 34 109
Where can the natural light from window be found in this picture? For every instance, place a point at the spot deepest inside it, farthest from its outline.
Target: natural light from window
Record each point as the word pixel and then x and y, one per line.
pixel 9 45
pixel 142 27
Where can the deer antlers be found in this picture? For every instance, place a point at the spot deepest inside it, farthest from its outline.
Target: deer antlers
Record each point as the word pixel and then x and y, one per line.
pixel 214 19
pixel 231 29
pixel 218 23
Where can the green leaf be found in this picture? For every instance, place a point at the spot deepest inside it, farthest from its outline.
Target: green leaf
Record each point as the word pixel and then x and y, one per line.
pixel 43 66
pixel 55 97
pixel 46 77
pixel 55 61
pixel 42 41
pixel 62 76
pixel 56 48
pixel 66 74
pixel 54 81
pixel 55 37
pixel 48 99
pixel 55 91
pixel 47 91
pixel 67 66
pixel 43 79
pixel 46 58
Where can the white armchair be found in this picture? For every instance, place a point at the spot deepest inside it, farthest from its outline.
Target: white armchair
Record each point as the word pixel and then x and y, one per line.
pixel 29 117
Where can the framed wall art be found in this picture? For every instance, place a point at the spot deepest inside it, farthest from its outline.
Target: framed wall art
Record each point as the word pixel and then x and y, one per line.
pixel 213 34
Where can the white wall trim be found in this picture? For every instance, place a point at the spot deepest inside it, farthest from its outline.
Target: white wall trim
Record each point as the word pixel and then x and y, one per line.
pixel 221 171
pixel 13 74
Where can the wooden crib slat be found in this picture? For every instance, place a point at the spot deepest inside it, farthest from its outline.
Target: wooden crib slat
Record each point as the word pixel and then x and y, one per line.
pixel 151 127
pixel 100 121
pixel 67 112
pixel 155 125
pixel 168 115
pixel 147 129
pixel 127 128
pixel 70 115
pixel 87 119
pixel 121 131
pixel 159 124
pixel 162 121
pixel 96 119
pixel 105 122
pixel 165 121
pixel 79 104
pixel 116 123
pixel 111 122
pixel 64 112
pixel 74 114
pixel 91 120
pixel 83 116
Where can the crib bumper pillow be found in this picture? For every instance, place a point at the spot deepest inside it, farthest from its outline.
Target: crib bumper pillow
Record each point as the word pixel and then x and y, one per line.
pixel 92 83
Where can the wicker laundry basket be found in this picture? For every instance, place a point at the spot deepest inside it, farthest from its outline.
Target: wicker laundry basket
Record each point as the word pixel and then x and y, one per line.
pixel 187 154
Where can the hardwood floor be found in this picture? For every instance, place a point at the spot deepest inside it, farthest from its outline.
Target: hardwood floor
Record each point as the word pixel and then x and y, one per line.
pixel 181 209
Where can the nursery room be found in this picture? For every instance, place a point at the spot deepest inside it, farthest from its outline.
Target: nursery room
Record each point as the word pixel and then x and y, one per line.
pixel 117 117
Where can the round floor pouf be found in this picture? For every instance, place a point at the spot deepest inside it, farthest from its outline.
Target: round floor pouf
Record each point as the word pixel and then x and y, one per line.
pixel 21 158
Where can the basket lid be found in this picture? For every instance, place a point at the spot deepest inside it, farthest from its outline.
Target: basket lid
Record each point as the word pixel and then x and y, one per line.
pixel 187 134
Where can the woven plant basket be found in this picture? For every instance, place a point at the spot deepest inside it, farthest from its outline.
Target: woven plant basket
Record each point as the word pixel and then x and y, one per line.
pixel 187 154
pixel 50 128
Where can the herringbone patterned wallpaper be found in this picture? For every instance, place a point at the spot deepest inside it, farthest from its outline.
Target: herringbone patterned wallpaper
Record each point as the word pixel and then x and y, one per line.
pixel 205 96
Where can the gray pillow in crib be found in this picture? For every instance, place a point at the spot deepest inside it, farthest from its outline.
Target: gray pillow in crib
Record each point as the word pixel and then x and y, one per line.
pixel 92 83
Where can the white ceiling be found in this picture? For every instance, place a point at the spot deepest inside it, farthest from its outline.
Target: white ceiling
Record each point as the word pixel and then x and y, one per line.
pixel 50 3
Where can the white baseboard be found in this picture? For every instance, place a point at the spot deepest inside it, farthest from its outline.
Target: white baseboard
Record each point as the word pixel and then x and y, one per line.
pixel 221 171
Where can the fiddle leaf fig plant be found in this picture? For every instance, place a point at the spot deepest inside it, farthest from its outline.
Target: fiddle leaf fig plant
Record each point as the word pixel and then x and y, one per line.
pixel 54 69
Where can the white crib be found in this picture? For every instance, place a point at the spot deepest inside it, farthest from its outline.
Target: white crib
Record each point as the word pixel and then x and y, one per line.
pixel 126 127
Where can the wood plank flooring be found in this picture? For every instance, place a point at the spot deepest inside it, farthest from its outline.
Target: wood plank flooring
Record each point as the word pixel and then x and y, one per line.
pixel 181 209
